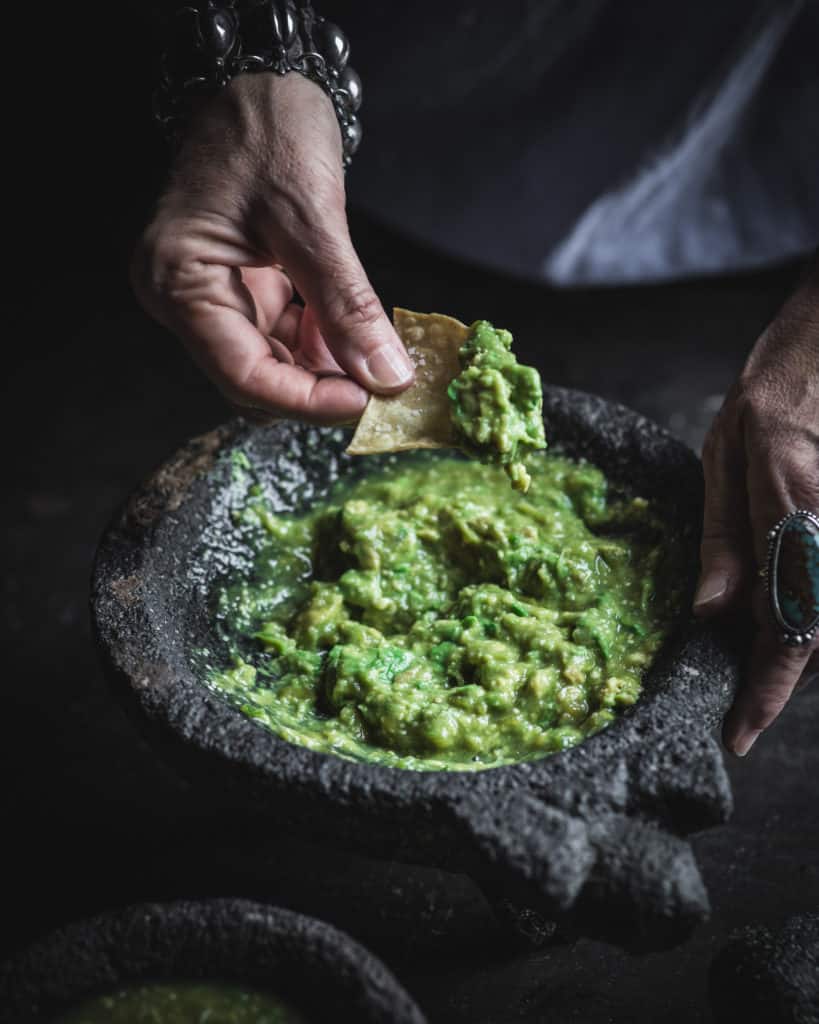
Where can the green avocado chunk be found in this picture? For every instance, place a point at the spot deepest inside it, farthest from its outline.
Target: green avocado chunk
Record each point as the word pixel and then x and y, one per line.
pixel 497 404
pixel 427 617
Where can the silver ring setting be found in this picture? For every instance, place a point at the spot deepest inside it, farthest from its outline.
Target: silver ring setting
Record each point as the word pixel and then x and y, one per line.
pixel 792 576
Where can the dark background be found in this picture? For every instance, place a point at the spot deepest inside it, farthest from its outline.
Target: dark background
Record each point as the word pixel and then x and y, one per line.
pixel 95 395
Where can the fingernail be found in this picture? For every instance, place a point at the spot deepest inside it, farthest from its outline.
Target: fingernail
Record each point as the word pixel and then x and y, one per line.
pixel 742 745
pixel 710 589
pixel 389 367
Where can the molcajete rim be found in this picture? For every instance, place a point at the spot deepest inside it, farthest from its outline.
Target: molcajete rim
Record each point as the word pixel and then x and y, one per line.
pixel 312 964
pixel 657 763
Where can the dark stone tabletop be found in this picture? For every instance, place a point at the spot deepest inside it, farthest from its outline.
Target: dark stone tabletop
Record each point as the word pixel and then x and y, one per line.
pixel 768 974
pixel 96 396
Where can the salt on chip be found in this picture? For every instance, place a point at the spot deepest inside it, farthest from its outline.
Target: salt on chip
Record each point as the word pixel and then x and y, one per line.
pixel 420 416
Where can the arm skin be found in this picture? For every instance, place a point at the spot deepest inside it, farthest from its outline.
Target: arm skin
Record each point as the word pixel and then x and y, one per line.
pixel 761 461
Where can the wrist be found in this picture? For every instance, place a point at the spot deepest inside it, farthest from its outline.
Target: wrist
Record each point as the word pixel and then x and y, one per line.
pixel 208 48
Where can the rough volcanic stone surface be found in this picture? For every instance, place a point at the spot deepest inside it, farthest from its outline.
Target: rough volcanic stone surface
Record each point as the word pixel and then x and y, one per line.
pixel 593 837
pixel 770 976
pixel 316 967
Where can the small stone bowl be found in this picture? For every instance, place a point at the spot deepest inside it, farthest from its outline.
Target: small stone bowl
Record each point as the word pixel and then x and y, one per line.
pixel 592 837
pixel 316 968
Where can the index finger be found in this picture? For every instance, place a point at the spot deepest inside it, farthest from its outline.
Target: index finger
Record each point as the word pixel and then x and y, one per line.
pixel 239 360
pixel 773 672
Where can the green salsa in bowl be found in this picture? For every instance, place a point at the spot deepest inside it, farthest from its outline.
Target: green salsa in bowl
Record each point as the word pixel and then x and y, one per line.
pixel 214 961
pixel 182 1003
pixel 426 616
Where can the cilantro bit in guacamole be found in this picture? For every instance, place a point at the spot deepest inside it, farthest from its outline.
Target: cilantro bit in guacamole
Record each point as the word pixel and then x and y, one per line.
pixel 426 617
pixel 497 404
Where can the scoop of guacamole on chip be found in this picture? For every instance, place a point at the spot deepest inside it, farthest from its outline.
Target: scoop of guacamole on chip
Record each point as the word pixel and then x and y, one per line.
pixel 497 404
pixel 470 393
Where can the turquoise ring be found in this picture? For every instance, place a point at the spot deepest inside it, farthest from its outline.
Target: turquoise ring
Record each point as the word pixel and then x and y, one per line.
pixel 792 576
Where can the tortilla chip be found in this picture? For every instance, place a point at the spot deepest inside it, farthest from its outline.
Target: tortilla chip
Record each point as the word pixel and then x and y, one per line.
pixel 418 417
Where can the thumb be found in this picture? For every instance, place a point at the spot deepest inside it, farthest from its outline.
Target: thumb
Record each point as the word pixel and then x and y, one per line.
pixel 328 274
pixel 725 553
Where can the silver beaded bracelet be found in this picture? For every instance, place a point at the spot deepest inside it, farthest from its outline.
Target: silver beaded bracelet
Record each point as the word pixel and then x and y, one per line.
pixel 210 43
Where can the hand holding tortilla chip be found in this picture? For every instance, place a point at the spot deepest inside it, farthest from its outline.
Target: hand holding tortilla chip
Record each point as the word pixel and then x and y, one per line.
pixel 469 393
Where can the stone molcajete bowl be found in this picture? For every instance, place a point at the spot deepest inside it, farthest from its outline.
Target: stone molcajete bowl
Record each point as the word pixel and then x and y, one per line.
pixel 319 970
pixel 593 837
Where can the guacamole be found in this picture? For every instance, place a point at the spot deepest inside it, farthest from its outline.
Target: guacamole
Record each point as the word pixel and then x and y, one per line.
pixel 427 617
pixel 497 404
pixel 183 1003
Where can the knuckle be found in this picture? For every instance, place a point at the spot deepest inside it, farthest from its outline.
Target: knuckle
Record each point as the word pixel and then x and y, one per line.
pixel 355 307
pixel 750 399
pixel 789 660
pixel 766 706
pixel 768 412
pixel 789 467
pixel 762 419
pixel 757 393
pixel 164 266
